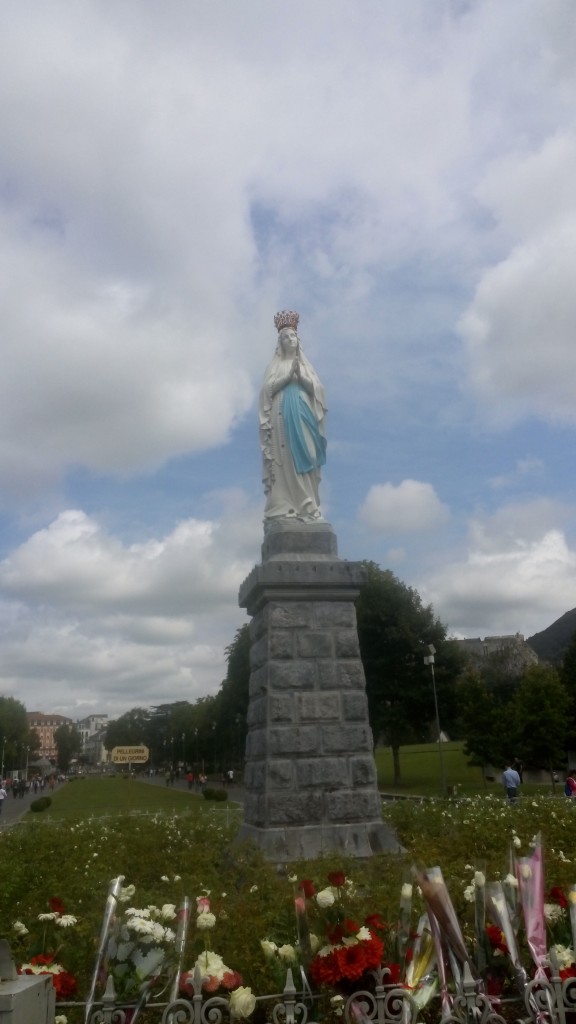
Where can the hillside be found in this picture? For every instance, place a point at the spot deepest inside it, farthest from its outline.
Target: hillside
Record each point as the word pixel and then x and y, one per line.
pixel 551 643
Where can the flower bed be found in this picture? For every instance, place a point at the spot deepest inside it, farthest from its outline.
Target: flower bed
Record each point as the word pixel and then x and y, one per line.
pixel 332 923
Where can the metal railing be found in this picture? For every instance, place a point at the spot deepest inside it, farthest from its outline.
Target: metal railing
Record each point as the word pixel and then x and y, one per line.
pixel 546 1001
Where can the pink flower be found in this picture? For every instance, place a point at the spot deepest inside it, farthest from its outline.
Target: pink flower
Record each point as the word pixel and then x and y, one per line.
pixel 300 905
pixel 202 904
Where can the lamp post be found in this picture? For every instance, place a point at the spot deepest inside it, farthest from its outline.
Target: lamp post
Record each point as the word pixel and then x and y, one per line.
pixel 184 750
pixel 214 745
pixel 196 747
pixel 429 660
pixel 2 768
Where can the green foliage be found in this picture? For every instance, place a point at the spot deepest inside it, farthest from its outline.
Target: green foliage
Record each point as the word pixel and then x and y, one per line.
pixel 251 899
pixel 41 804
pixel 68 743
pixel 16 739
pixel 537 718
pixel 480 719
pixel 395 629
pixel 214 794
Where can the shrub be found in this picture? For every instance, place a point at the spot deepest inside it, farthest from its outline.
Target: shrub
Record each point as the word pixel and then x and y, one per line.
pixel 214 794
pixel 41 804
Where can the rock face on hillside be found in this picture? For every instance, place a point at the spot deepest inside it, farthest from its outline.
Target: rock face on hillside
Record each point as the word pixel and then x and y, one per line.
pixel 552 642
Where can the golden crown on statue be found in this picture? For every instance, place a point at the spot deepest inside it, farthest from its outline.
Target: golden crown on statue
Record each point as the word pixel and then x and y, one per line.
pixel 286 318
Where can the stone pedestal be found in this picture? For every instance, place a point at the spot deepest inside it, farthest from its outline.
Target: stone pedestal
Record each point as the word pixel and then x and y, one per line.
pixel 310 774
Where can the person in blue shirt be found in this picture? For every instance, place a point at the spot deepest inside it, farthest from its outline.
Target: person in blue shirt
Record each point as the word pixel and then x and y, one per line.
pixel 511 781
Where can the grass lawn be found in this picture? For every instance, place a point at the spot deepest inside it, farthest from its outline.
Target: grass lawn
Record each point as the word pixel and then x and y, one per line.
pixel 93 797
pixel 420 772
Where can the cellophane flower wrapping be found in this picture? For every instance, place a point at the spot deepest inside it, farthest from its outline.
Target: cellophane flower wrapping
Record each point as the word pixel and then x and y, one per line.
pixel 421 976
pixel 529 871
pixel 498 912
pixel 451 949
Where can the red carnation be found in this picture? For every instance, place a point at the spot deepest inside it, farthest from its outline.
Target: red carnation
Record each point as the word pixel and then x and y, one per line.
pixel 353 961
pixel 231 979
pixel 65 984
pixel 325 970
pixel 308 888
pixel 337 879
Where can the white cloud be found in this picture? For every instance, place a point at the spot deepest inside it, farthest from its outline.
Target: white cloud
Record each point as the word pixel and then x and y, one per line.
pixel 410 507
pixel 85 613
pixel 518 574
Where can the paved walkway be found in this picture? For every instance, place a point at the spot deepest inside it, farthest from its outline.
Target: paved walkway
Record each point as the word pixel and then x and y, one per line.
pixel 14 807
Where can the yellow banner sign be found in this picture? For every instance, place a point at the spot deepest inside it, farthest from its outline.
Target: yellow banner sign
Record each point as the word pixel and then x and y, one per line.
pixel 130 755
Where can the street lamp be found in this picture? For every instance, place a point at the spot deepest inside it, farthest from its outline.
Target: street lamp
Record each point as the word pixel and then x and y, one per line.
pixel 184 750
pixel 196 745
pixel 2 769
pixel 429 660
pixel 214 745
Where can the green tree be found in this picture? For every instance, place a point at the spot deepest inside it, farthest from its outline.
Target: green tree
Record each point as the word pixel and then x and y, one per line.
pixel 232 700
pixel 16 738
pixel 68 743
pixel 395 629
pixel 536 720
pixel 480 720
pixel 131 729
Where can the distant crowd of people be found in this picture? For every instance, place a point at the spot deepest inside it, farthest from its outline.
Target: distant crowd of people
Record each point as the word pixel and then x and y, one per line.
pixel 194 779
pixel 19 788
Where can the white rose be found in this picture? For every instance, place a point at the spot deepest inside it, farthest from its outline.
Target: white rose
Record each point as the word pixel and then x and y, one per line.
pixel 325 898
pixel 60 1018
pixel 516 841
pixel 242 1001
pixel 511 880
pixel 205 921
pixel 364 935
pixel 526 871
pixel 20 928
pixel 268 948
pixel 168 912
pixel 479 879
pixel 287 953
pixel 406 892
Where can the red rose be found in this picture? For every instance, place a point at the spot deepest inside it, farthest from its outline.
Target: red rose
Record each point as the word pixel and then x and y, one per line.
pixel 556 895
pixel 56 905
pixel 496 938
pixel 375 921
pixel 308 888
pixel 351 926
pixel 337 879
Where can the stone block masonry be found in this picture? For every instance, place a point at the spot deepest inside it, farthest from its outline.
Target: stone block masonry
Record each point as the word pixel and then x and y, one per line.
pixel 310 773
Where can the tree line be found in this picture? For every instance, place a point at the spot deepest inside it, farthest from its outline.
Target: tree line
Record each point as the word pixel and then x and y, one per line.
pixel 501 709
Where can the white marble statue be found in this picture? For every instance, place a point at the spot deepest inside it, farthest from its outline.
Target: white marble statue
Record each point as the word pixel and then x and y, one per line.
pixel 292 418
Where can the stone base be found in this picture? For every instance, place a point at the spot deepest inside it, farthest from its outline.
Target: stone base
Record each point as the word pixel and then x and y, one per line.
pixel 310 842
pixel 310 775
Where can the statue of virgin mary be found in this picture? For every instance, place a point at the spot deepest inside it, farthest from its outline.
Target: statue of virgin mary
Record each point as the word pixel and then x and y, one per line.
pixel 292 421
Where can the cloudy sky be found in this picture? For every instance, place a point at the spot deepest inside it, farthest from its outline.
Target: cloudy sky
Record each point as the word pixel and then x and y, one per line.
pixel 171 174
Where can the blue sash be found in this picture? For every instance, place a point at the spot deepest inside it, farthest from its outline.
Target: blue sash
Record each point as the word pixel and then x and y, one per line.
pixel 296 414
